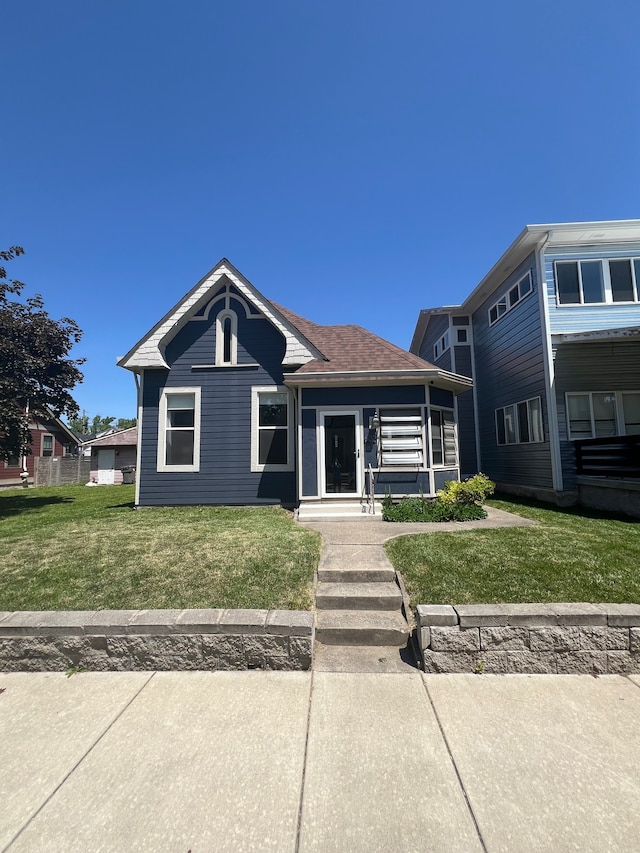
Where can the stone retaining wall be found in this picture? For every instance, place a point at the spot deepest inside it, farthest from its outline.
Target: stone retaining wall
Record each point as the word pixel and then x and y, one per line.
pixel 102 640
pixel 530 638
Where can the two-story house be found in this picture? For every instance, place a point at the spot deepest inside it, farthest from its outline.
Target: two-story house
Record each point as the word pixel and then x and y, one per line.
pixel 551 338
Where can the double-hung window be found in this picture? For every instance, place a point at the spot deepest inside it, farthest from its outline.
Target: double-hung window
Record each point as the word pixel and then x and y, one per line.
pixel 179 430
pixel 47 445
pixel 520 423
pixel 272 429
pixel 443 438
pixel 401 438
pixel 599 414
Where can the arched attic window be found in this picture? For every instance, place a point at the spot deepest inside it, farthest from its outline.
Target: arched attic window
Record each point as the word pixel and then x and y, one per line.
pixel 227 337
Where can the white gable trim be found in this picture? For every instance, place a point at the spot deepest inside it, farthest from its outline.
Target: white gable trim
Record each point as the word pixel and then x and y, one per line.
pixel 149 352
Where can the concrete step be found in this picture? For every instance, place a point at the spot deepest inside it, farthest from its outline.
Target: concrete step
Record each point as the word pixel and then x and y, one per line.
pixel 370 575
pixel 337 509
pixel 358 596
pixel 361 628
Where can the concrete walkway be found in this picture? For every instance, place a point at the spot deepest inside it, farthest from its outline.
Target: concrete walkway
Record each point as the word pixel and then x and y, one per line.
pixel 289 762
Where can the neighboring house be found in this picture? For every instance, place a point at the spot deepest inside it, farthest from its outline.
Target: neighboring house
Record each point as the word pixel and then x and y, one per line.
pixel 50 437
pixel 110 453
pixel 551 338
pixel 241 401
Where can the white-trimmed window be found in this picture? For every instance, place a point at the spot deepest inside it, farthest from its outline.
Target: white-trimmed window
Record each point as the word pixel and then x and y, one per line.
pixel 227 337
pixel 599 414
pixel 441 345
pixel 179 430
pixel 516 293
pixel 402 438
pixel 443 438
pixel 520 423
pixel 597 282
pixel 47 445
pixel 271 429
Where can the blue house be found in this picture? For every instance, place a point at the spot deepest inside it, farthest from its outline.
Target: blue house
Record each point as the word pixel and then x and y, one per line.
pixel 551 338
pixel 240 401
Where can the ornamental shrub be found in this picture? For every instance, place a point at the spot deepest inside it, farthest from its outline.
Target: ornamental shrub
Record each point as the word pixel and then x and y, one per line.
pixel 458 501
pixel 475 490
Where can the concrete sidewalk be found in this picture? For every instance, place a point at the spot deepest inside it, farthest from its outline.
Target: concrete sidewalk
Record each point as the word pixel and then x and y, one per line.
pixel 349 762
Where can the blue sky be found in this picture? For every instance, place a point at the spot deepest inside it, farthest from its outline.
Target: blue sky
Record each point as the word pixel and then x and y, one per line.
pixel 357 161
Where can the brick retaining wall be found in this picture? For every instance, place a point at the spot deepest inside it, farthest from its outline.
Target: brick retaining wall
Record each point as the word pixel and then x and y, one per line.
pixel 32 641
pixel 530 638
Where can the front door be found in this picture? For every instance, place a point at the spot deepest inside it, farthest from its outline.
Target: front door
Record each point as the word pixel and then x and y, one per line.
pixel 341 455
pixel 106 465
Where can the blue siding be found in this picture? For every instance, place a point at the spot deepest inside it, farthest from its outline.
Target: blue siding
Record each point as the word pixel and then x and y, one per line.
pixel 225 475
pixel 402 483
pixel 509 366
pixel 466 416
pixel 442 476
pixel 441 397
pixel 310 486
pixel 436 327
pixel 584 318
pixel 365 396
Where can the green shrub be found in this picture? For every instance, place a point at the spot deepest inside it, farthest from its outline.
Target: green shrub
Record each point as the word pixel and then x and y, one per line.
pixel 420 509
pixel 475 490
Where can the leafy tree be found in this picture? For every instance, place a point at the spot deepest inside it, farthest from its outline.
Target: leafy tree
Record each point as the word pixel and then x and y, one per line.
pixel 80 424
pixel 126 423
pixel 100 424
pixel 36 373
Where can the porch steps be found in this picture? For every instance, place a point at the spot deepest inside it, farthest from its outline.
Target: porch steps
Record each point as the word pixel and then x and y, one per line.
pixel 358 596
pixel 326 510
pixel 358 600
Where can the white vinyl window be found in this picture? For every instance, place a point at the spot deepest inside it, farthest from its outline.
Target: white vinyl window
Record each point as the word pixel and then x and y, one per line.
pixel 597 282
pixel 520 423
pixel 179 430
pixel 600 414
pixel 443 438
pixel 401 438
pixel 271 429
pixel 441 345
pixel 516 293
pixel 227 337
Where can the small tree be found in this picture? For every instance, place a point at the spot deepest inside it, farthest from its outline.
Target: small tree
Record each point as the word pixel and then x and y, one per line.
pixel 36 373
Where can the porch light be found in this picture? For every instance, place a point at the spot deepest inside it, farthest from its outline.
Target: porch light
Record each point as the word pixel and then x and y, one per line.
pixel 374 422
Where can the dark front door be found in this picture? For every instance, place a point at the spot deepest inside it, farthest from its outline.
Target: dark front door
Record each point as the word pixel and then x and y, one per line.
pixel 340 455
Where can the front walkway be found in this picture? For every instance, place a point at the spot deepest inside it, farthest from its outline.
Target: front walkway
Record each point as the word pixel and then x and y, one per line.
pixel 235 762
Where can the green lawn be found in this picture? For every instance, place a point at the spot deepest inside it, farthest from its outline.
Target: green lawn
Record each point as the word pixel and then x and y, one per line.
pixel 570 555
pixel 77 548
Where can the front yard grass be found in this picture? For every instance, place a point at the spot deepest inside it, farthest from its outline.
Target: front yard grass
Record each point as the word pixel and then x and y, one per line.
pixel 570 555
pixel 79 548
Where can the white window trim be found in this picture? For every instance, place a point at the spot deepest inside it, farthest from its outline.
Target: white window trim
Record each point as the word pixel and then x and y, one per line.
pixel 606 280
pixel 620 424
pixel 516 422
pixel 162 431
pixel 444 464
pixel 442 345
pixel 222 316
pixel 256 390
pixel 506 300
pixel 53 444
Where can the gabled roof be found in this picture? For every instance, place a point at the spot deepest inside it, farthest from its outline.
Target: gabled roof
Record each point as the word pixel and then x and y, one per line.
pixel 122 438
pixel 552 234
pixel 149 351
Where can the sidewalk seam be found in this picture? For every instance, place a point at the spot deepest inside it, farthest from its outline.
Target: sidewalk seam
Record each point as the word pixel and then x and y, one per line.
pixel 75 766
pixel 455 766
pixel 304 767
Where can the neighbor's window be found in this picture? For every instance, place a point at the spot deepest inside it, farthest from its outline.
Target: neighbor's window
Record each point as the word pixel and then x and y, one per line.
pixel 625 280
pixel 47 445
pixel 272 440
pixel 401 438
pixel 443 438
pixel 599 414
pixel 597 282
pixel 520 423
pixel 514 295
pixel 441 345
pixel 179 430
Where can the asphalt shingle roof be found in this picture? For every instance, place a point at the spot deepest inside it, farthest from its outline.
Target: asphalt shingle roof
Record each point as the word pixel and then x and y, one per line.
pixel 348 348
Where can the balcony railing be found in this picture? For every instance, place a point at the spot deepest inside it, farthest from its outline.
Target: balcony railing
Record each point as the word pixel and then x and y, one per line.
pixel 617 456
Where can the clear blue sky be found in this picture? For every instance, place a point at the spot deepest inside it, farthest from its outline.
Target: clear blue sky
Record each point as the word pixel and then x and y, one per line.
pixel 357 161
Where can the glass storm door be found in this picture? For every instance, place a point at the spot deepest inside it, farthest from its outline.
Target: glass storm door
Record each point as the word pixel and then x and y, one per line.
pixel 341 454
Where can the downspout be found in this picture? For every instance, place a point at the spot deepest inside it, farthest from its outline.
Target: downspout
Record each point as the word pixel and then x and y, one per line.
pixel 24 474
pixel 549 373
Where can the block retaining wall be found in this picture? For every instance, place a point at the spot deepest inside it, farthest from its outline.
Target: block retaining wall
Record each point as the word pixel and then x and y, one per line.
pixel 123 640
pixel 530 638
